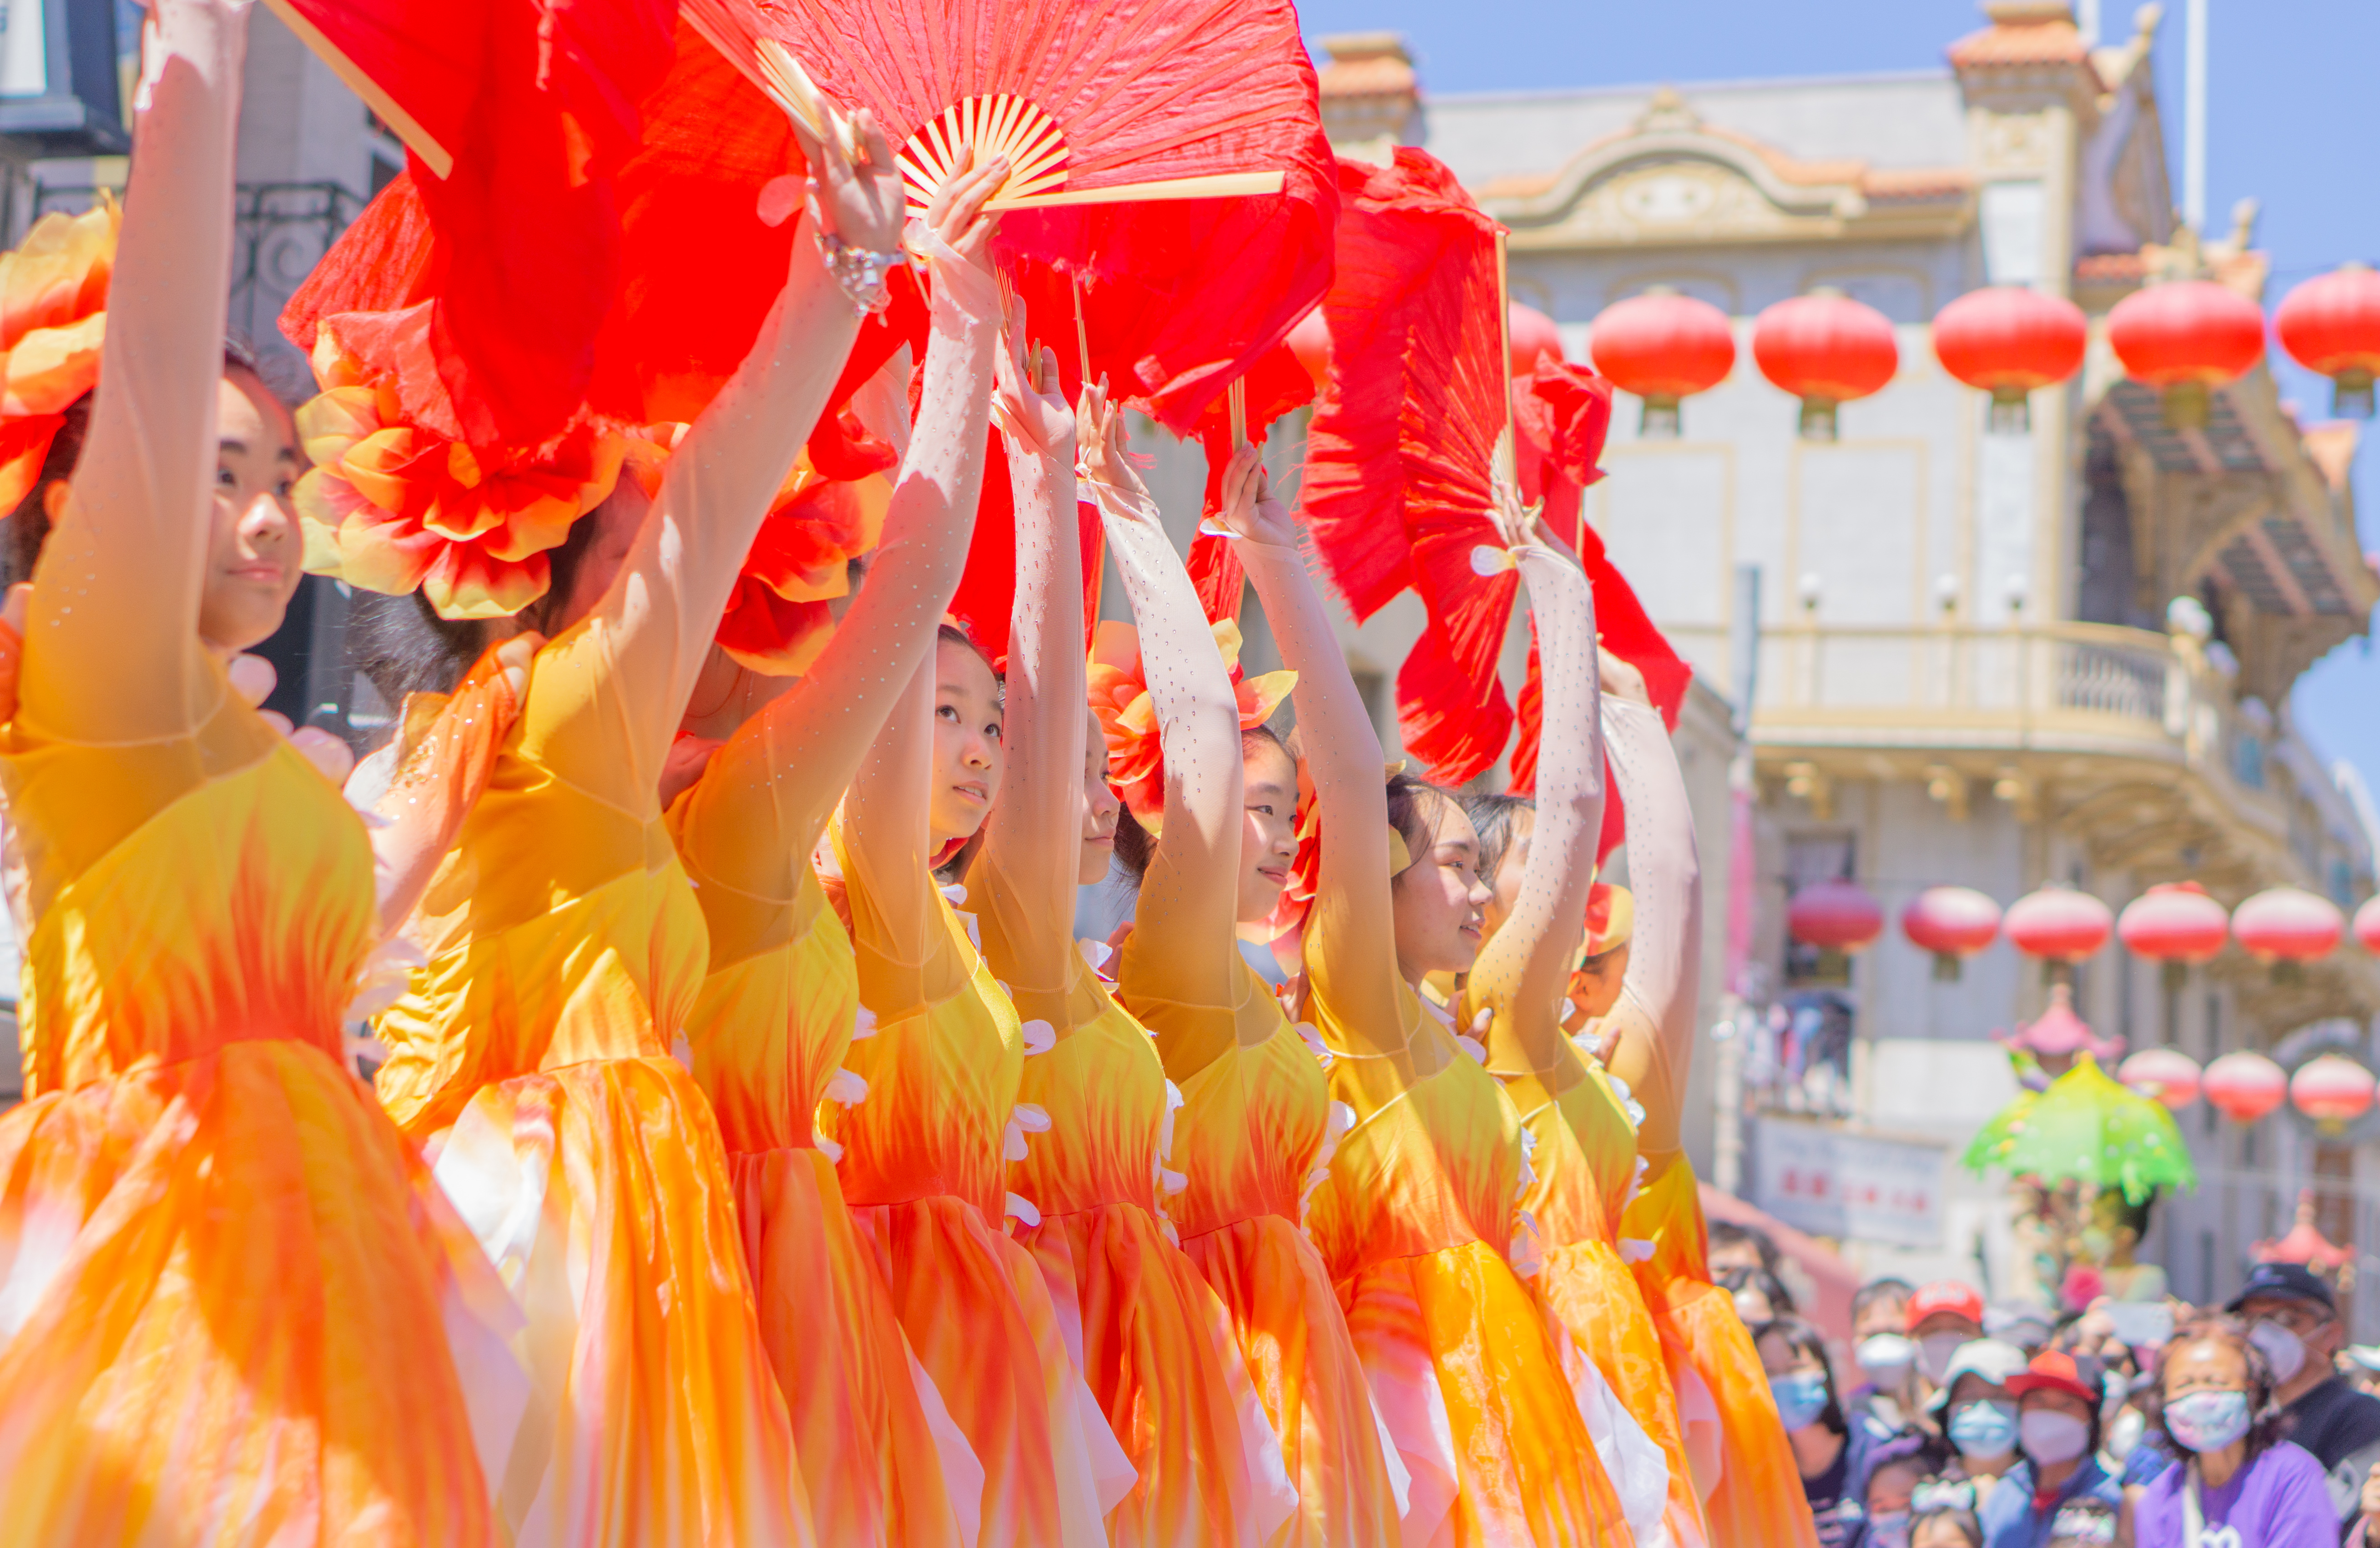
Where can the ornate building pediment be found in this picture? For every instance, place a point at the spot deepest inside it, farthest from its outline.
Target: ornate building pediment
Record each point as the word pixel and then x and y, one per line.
pixel 1672 179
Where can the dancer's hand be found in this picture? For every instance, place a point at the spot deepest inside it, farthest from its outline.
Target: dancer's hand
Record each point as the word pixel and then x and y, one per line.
pixel 955 212
pixel 1249 508
pixel 858 197
pixel 1619 680
pixel 1025 401
pixel 1099 433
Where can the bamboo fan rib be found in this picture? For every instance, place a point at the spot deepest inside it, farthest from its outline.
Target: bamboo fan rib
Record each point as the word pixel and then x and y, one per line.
pixel 1075 94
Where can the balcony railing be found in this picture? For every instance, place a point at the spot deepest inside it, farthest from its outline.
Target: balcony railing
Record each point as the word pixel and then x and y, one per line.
pixel 2052 687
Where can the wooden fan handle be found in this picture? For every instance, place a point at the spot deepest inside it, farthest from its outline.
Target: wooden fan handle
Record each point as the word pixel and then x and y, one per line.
pixel 1220 184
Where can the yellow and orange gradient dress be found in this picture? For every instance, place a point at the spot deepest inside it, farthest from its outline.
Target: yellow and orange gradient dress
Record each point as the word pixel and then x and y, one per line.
pixel 1152 1341
pixel 1254 1135
pixel 1416 1221
pixel 226 1279
pixel 924 1172
pixel 769 1034
pixel 533 1060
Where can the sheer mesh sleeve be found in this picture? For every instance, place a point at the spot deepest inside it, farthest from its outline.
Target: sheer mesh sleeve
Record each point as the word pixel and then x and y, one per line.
pixel 1183 948
pixel 907 960
pixel 607 718
pixel 113 630
pixel 1521 970
pixel 1665 951
pixel 1353 926
pixel 757 812
pixel 1024 880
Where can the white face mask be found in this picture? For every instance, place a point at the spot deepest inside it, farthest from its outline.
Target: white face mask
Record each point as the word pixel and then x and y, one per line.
pixel 1934 1353
pixel 2051 1437
pixel 2123 1432
pixel 2282 1346
pixel 1886 1358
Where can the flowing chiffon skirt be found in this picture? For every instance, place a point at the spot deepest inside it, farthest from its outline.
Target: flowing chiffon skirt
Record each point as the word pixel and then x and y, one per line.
pixel 1292 1337
pixel 228 1289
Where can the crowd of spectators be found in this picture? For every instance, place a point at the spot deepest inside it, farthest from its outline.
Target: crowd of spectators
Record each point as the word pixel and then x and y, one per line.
pixel 2138 1423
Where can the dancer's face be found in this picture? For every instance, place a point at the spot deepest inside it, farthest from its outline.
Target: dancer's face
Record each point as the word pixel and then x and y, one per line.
pixel 252 545
pixel 966 743
pixel 1441 899
pixel 1100 808
pixel 1269 835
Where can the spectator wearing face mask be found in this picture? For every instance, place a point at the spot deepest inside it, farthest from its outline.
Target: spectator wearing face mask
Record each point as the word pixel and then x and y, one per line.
pixel 2293 1320
pixel 2020 1322
pixel 1734 1246
pixel 1760 1296
pixel 1885 1353
pixel 1940 1317
pixel 2083 1524
pixel 2241 1484
pixel 1827 1450
pixel 1978 1413
pixel 2057 1430
pixel 1895 1469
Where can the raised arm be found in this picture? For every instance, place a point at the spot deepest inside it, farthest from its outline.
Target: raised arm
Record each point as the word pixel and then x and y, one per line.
pixel 1356 972
pixel 1033 843
pixel 1190 896
pixel 656 619
pixel 115 599
pixel 769 792
pixel 1656 1013
pixel 1522 971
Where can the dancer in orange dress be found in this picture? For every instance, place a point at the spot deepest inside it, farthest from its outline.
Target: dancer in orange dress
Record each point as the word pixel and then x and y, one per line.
pixel 1418 1212
pixel 924 1156
pixel 226 1282
pixel 1542 873
pixel 565 952
pixel 1255 1123
pixel 778 1011
pixel 1088 1152
pixel 1742 1463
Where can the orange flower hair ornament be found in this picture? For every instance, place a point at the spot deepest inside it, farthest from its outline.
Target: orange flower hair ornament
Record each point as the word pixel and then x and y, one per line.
pixel 777 621
pixel 53 310
pixel 391 505
pixel 1127 717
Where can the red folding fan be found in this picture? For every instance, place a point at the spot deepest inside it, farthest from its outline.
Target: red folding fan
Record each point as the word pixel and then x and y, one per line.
pixel 1171 175
pixel 516 115
pixel 1397 489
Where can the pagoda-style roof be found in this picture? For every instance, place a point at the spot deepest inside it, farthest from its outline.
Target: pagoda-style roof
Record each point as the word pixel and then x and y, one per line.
pixel 2304 1243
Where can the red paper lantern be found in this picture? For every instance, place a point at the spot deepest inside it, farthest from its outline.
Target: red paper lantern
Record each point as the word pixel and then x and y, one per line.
pixel 2177 923
pixel 2187 337
pixel 2287 927
pixel 2243 1087
pixel 1663 346
pixel 2166 1075
pixel 1530 334
pixel 2367 925
pixel 1824 349
pixel 1834 915
pixel 2331 1090
pixel 2058 924
pixel 1951 923
pixel 2332 325
pixel 2008 341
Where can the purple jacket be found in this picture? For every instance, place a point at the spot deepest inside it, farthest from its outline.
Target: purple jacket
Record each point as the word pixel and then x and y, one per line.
pixel 2276 1501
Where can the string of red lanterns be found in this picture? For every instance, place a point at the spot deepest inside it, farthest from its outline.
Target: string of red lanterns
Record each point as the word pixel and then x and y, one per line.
pixel 1663 346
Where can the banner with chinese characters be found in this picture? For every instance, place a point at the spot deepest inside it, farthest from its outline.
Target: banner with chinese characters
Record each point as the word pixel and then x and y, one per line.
pixel 1832 1182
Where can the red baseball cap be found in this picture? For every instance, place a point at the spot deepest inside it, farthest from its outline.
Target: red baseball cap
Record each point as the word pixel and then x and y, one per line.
pixel 2053 1372
pixel 1943 1295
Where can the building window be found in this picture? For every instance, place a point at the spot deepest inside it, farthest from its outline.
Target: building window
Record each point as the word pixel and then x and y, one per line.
pixel 2248 760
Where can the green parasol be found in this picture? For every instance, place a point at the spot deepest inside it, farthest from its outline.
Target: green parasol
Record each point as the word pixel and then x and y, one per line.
pixel 2086 1128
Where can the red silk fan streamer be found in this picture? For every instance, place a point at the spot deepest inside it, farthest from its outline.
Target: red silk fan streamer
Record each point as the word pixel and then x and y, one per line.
pixel 1178 298
pixel 1561 414
pixel 532 108
pixel 1396 491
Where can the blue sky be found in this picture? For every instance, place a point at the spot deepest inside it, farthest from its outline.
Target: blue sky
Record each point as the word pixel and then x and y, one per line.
pixel 2289 83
